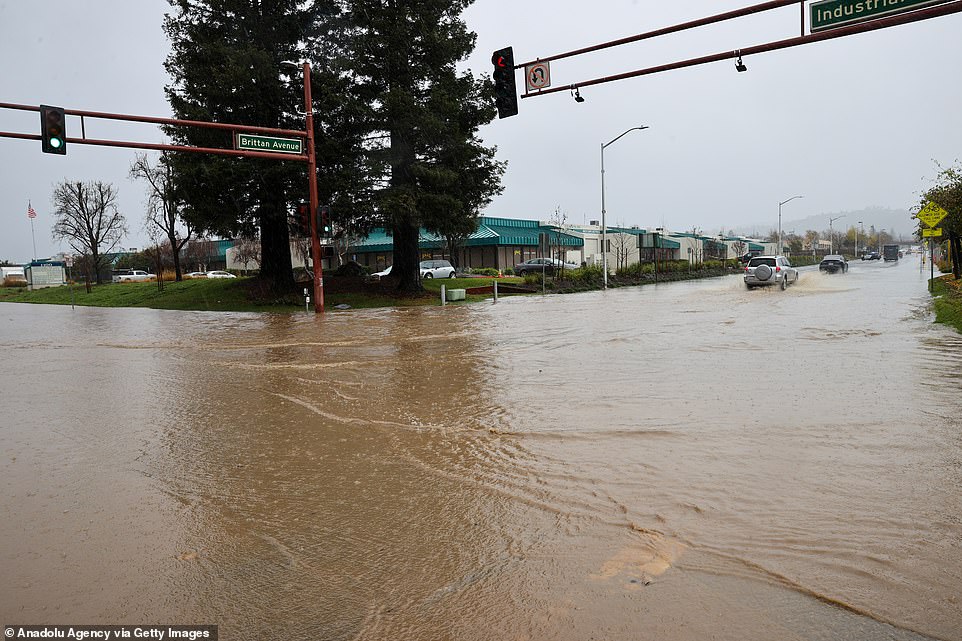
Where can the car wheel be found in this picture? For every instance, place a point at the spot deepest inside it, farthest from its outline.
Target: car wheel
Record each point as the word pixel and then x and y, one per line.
pixel 748 286
pixel 428 275
pixel 784 282
pixel 796 277
pixel 451 275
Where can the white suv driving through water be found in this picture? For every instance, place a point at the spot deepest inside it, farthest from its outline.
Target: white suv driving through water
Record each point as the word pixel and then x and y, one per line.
pixel 770 270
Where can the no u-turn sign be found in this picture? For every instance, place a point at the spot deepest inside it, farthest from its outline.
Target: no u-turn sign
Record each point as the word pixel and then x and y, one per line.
pixel 537 76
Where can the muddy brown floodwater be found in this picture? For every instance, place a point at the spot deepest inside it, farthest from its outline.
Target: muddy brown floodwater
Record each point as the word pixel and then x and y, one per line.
pixel 673 462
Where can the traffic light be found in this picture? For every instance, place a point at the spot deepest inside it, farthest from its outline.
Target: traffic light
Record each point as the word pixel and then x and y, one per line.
pixel 505 92
pixel 303 220
pixel 53 130
pixel 324 229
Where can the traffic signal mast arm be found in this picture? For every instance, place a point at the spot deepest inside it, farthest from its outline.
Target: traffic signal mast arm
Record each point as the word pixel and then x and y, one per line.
pixel 164 121
pixel 872 25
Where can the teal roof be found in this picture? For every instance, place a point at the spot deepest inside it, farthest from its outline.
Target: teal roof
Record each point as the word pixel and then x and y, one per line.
pixel 491 231
pixel 667 243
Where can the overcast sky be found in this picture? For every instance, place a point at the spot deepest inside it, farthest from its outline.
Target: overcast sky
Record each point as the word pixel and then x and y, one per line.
pixel 849 123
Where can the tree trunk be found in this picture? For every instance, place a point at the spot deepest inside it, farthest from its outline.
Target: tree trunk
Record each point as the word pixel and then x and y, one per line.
pixel 95 259
pixel 955 241
pixel 406 258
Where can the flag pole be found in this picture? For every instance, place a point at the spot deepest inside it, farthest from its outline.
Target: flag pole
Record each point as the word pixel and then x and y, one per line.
pixel 31 215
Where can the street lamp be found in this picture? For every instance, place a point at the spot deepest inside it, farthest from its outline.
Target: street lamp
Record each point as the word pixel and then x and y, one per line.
pixel 779 252
pixel 856 237
pixel 831 233
pixel 604 226
pixel 312 186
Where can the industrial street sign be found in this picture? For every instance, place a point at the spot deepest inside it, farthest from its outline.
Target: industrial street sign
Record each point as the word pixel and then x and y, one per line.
pixel 537 76
pixel 927 233
pixel 830 14
pixel 250 142
pixel 932 214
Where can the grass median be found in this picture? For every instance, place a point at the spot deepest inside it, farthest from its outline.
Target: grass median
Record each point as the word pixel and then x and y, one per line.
pixel 947 301
pixel 241 294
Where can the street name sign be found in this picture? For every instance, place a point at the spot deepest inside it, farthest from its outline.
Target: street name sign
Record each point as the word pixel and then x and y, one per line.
pixel 250 142
pixel 927 233
pixel 932 214
pixel 831 14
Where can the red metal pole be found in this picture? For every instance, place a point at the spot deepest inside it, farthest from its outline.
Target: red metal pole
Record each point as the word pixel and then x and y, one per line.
pixel 829 34
pixel 312 195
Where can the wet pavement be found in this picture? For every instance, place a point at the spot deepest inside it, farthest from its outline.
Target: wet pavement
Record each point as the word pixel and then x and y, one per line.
pixel 681 461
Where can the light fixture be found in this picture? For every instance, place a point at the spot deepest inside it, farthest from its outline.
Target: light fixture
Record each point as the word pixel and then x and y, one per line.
pixel 577 95
pixel 739 65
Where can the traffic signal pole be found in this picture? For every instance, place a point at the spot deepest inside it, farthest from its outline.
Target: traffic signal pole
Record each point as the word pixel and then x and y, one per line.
pixel 309 157
pixel 312 196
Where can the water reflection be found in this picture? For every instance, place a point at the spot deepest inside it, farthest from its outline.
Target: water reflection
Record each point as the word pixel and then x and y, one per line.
pixel 560 467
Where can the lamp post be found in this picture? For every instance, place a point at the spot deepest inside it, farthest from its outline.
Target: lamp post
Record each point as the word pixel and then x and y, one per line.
pixel 312 188
pixel 604 225
pixel 779 252
pixel 856 238
pixel 831 232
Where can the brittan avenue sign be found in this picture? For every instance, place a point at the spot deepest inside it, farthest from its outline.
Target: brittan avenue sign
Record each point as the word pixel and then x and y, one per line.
pixel 249 142
pixel 830 14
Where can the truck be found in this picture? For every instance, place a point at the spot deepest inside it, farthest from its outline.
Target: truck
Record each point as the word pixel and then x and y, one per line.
pixel 890 252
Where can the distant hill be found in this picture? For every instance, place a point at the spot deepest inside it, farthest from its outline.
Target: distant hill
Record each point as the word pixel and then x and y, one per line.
pixel 898 222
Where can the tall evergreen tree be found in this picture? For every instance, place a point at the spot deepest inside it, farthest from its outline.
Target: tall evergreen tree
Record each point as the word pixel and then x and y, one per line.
pixel 429 168
pixel 225 63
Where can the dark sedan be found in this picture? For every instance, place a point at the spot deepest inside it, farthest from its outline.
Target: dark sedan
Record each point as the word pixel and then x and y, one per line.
pixel 833 263
pixel 546 265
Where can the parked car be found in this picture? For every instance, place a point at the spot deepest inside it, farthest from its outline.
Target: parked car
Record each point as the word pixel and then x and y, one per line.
pixel 220 274
pixel 436 269
pixel 196 274
pixel 833 263
pixel 538 265
pixel 131 276
pixel 770 270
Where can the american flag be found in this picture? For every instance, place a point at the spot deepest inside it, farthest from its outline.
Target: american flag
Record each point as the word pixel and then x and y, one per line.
pixel 30 211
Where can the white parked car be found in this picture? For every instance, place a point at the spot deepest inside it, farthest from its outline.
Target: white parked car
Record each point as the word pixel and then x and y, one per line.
pixel 220 274
pixel 436 269
pixel 132 276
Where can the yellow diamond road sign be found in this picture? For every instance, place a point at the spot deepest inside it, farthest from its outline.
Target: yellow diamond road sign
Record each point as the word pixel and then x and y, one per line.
pixel 932 214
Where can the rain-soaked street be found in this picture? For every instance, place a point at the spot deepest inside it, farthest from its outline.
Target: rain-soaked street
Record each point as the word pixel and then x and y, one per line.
pixel 673 462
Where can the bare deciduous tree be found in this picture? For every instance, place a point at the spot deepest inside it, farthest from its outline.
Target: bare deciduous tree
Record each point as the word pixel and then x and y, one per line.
pixel 88 220
pixel 247 252
pixel 163 210
pixel 623 244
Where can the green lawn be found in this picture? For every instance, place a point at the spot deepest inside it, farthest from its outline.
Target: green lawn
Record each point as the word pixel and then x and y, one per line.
pixel 225 295
pixel 194 294
pixel 948 302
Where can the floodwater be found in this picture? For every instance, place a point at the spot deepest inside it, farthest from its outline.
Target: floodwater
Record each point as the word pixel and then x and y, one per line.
pixel 672 462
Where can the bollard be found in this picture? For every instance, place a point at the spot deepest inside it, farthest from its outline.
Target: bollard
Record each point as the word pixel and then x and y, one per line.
pixel 444 300
pixel 495 290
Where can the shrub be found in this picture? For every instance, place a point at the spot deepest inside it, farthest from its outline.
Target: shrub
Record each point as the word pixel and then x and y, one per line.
pixel 484 271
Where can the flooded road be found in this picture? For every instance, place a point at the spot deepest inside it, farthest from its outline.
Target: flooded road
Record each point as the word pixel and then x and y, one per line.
pixel 681 461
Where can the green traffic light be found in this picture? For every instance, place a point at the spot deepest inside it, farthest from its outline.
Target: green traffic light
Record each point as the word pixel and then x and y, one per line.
pixel 56 143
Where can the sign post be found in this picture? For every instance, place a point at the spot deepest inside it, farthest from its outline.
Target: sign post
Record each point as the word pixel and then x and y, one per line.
pixel 931 215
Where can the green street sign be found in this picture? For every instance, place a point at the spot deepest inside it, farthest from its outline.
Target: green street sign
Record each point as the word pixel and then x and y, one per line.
pixel 831 14
pixel 250 142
